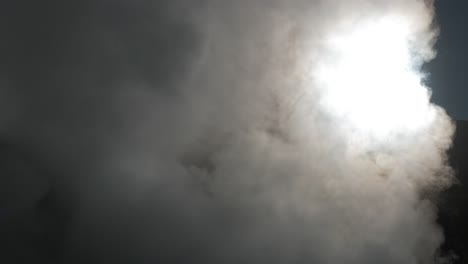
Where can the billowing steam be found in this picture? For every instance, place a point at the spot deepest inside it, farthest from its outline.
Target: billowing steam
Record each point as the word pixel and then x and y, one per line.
pixel 254 132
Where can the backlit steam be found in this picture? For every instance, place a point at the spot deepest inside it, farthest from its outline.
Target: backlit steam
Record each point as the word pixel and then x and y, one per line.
pixel 372 80
pixel 320 131
pixel 222 131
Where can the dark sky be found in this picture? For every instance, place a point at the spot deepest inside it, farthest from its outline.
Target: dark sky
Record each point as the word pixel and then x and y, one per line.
pixel 448 71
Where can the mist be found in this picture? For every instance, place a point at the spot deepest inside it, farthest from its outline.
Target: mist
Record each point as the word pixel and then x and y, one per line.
pixel 199 132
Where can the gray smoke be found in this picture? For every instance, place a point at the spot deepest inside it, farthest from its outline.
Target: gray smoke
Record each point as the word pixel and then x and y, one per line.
pixel 193 133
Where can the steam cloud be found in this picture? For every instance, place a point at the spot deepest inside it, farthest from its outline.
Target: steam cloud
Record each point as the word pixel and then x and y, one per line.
pixel 194 133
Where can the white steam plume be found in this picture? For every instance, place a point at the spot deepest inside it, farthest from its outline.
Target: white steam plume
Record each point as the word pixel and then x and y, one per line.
pixel 301 133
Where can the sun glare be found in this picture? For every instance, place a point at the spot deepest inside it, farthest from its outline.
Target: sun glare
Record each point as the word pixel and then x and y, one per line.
pixel 370 80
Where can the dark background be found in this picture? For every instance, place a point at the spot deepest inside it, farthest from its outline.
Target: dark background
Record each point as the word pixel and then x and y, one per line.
pixel 448 72
pixel 448 80
pixel 453 207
